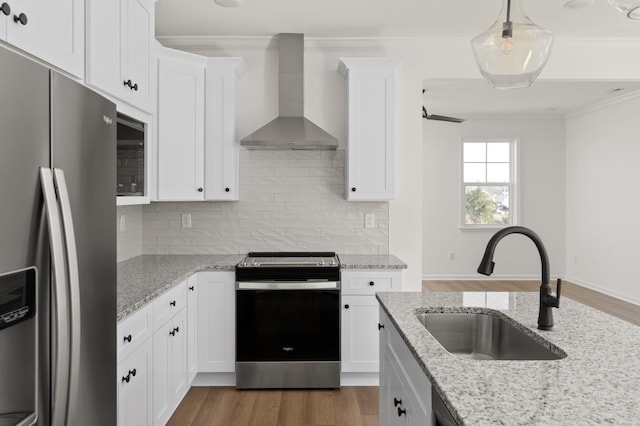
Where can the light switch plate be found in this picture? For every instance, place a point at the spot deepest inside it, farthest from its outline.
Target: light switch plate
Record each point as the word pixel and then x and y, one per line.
pixel 186 220
pixel 122 223
pixel 369 220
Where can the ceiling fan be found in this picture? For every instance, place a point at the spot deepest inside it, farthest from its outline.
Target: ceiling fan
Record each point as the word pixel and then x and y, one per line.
pixel 436 117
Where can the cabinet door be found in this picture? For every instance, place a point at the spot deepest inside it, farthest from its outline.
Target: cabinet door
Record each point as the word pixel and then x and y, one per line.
pixel 119 35
pixel 134 387
pixel 178 358
pixel 360 334
pixel 180 131
pixel 161 374
pixel 53 31
pixel 135 49
pixel 192 327
pixel 370 146
pixel 216 322
pixel 222 146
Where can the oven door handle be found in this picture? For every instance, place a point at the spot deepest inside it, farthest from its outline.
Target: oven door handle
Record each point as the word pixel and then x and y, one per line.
pixel 286 285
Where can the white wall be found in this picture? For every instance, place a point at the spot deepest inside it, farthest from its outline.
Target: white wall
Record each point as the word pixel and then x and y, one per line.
pixel 541 200
pixel 603 206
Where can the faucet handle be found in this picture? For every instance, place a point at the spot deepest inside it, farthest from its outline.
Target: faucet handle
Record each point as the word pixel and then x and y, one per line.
pixel 558 289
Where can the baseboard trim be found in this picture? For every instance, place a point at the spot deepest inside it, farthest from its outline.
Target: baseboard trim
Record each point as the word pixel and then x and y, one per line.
pixel 605 291
pixel 229 379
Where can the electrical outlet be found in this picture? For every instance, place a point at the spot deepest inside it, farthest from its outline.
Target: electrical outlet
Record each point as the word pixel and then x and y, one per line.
pixel 186 220
pixel 122 223
pixel 369 220
pixel 452 255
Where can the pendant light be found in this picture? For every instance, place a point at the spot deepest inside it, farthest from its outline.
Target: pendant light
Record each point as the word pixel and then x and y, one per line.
pixel 514 50
pixel 631 8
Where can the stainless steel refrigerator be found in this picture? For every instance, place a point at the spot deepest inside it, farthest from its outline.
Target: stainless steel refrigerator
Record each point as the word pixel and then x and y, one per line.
pixel 57 249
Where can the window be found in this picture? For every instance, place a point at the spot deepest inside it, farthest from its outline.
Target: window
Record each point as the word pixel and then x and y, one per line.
pixel 488 189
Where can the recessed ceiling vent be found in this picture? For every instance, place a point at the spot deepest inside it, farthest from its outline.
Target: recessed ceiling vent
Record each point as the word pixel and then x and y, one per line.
pixel 290 130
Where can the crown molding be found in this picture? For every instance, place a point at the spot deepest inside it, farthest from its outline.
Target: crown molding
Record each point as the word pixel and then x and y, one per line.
pixel 598 106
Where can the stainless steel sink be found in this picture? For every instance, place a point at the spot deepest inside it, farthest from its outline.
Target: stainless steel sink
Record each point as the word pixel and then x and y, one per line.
pixel 488 336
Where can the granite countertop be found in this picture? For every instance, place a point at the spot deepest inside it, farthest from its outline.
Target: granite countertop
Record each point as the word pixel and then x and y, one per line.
pixel 597 383
pixel 143 278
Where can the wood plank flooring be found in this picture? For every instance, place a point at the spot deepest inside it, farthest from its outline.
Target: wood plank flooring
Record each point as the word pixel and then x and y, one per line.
pixel 616 307
pixel 348 406
pixel 226 406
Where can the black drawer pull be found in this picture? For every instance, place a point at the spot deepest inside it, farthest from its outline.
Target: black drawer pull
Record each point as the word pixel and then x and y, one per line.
pixel 397 402
pixel 380 326
pixel 401 412
pixel 172 333
pixel 371 283
pixel 172 303
pixel 133 372
pixel 191 288
pixel 177 329
pixel 127 338
pixel 353 189
pixel 346 306
pixel 126 378
pixel 227 190
pixel 22 18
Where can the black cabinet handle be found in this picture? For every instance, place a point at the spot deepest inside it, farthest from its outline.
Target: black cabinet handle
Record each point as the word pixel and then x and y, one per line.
pixel 133 372
pixel 127 338
pixel 177 329
pixel 172 333
pixel 346 306
pixel 353 189
pixel 200 189
pixel 135 87
pixel 227 190
pixel 191 288
pixel 5 8
pixel 371 283
pixel 380 326
pixel 126 378
pixel 401 412
pixel 127 83
pixel 172 303
pixel 397 402
pixel 22 18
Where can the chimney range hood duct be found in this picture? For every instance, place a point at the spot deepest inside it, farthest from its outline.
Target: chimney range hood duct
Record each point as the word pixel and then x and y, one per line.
pixel 290 130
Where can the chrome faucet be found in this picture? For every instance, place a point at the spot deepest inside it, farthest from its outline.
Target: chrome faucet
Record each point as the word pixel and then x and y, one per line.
pixel 547 300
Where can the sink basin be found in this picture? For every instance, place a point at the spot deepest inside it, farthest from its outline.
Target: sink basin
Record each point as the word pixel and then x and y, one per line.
pixel 487 336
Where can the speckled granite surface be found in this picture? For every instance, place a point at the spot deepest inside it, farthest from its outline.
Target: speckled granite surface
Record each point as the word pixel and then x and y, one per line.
pixel 370 261
pixel 597 383
pixel 145 277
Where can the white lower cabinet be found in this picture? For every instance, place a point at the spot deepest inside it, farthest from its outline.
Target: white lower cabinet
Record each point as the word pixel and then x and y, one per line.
pixel 169 367
pixel 192 328
pixel 134 387
pixel 405 391
pixel 216 322
pixel 360 333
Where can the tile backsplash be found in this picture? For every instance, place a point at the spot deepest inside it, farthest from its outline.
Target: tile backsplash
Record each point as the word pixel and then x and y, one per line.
pixel 289 200
pixel 129 232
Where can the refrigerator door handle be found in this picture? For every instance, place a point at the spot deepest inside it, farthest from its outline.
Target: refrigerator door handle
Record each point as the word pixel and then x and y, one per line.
pixel 61 344
pixel 74 280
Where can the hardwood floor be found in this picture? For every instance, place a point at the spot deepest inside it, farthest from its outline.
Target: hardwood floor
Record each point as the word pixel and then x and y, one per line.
pixel 616 307
pixel 225 406
pixel 348 406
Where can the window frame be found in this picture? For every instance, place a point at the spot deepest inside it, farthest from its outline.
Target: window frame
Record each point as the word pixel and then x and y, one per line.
pixel 512 184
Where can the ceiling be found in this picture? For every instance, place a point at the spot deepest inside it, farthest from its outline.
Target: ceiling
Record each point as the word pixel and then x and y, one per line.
pixel 418 18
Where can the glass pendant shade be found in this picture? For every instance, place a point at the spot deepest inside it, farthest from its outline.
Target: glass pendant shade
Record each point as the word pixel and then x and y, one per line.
pixel 513 52
pixel 631 8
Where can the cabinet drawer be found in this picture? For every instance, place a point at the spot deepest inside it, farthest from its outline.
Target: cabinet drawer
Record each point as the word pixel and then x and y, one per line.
pixel 133 331
pixel 370 282
pixel 169 304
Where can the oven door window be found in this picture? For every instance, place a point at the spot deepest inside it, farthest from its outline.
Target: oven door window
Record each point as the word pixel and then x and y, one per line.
pixel 287 325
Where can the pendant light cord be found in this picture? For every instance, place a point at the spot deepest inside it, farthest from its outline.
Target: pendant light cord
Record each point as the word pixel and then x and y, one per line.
pixel 507 26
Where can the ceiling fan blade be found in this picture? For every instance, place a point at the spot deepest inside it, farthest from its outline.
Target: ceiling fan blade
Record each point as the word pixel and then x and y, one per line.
pixel 436 117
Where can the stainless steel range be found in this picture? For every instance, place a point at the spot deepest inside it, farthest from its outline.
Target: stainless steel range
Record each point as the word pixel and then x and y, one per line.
pixel 288 320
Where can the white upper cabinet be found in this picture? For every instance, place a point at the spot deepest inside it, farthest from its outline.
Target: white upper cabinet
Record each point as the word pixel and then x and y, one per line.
pixel 180 130
pixel 222 145
pixel 119 37
pixel 371 128
pixel 51 30
pixel 197 155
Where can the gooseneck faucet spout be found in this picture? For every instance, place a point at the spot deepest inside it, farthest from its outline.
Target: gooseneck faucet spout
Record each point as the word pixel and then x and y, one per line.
pixel 547 300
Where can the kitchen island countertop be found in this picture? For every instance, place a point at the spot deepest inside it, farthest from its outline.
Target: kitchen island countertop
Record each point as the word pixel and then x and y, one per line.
pixel 145 277
pixel 597 383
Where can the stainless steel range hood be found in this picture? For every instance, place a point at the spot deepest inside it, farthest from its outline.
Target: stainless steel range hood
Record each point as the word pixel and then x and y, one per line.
pixel 291 130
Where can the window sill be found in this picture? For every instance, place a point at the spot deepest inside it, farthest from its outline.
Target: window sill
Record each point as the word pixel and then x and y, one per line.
pixel 483 227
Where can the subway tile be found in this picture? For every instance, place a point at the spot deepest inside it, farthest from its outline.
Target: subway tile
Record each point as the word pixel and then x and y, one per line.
pixel 160 232
pixel 278 214
pixel 256 224
pixel 260 206
pixel 297 171
pixel 249 214
pixel 263 181
pixel 267 155
pixel 303 232
pixel 271 232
